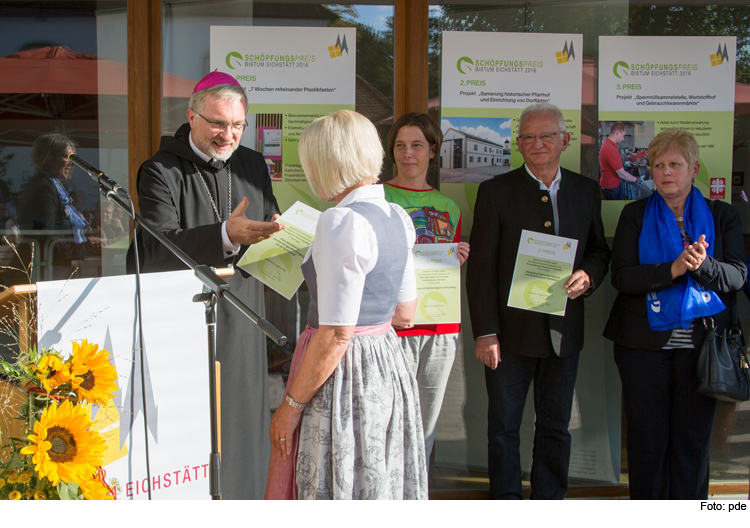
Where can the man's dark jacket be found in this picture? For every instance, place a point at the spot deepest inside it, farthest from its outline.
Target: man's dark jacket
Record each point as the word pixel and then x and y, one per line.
pixel 505 205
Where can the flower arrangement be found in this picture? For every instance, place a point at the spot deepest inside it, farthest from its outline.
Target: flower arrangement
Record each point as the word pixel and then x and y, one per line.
pixel 60 456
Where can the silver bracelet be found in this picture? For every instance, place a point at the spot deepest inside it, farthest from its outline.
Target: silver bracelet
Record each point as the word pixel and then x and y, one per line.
pixel 294 403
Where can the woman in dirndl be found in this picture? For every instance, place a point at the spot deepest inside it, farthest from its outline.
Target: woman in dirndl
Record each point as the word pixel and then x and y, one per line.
pixel 350 425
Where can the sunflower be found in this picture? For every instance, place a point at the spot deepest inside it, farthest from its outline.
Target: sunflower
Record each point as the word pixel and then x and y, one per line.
pixel 95 490
pixel 52 372
pixel 63 447
pixel 93 375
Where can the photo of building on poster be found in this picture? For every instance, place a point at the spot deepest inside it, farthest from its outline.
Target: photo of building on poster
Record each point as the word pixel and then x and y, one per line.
pixel 651 84
pixel 474 149
pixel 623 159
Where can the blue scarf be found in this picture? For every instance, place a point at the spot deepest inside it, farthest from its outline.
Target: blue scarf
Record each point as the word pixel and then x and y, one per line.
pixel 77 221
pixel 660 241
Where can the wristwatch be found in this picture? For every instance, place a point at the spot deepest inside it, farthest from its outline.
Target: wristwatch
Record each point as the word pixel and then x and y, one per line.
pixel 294 403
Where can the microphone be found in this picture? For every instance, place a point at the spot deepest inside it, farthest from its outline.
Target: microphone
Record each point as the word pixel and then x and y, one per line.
pixel 101 178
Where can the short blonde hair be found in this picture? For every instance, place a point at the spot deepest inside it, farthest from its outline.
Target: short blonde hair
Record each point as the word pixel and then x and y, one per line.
pixel 340 151
pixel 674 139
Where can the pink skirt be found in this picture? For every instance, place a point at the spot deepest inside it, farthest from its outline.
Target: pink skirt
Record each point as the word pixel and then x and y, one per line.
pixel 281 483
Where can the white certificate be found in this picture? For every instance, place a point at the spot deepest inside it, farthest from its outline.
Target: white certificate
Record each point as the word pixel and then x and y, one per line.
pixel 277 261
pixel 543 265
pixel 438 284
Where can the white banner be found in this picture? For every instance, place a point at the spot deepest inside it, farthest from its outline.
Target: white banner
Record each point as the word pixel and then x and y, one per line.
pixel 176 361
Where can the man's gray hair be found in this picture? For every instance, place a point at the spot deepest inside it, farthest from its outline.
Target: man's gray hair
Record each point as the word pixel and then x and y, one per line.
pixel 231 92
pixel 542 108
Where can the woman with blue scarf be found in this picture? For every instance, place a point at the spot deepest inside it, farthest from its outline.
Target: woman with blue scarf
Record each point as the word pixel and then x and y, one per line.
pixel 677 257
pixel 46 203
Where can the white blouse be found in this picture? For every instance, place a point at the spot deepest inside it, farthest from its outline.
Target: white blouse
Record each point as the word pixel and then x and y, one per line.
pixel 345 250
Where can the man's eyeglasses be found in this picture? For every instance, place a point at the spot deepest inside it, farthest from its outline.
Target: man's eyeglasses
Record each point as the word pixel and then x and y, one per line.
pixel 221 126
pixel 546 137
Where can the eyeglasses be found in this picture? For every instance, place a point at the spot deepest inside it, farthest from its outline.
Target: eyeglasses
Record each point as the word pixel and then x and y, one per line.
pixel 221 126
pixel 546 137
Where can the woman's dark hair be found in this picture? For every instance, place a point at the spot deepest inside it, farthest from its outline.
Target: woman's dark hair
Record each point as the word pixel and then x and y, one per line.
pixel 47 148
pixel 425 123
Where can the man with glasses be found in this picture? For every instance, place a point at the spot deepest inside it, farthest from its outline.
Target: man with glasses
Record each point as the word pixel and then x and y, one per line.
pixel 520 346
pixel 213 198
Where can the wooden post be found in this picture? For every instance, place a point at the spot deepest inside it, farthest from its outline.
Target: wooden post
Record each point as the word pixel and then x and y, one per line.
pixel 410 56
pixel 144 85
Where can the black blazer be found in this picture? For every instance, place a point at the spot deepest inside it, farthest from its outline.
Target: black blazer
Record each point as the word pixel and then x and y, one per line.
pixel 505 205
pixel 725 274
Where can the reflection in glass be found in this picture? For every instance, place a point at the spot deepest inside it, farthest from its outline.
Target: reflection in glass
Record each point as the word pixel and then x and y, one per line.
pixel 62 71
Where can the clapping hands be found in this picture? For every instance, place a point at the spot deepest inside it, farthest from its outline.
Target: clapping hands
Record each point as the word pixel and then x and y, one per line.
pixel 691 258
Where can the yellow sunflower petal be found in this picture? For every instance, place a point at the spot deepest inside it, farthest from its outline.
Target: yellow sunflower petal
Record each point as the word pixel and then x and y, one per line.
pixel 71 451
pixel 95 490
pixel 94 375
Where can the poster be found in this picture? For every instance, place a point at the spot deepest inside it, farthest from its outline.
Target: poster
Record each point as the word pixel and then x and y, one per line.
pixel 649 84
pixel 487 81
pixel 292 76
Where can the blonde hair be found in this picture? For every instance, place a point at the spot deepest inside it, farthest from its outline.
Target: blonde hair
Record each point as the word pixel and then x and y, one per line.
pixel 674 139
pixel 340 151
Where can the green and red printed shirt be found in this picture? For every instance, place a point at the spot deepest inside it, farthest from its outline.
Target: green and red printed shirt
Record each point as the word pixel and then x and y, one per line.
pixel 437 220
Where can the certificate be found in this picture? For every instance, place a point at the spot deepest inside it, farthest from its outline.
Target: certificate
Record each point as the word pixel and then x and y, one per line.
pixel 438 283
pixel 543 264
pixel 277 261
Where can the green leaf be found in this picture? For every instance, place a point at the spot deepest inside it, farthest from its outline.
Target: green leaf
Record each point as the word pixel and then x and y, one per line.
pixel 62 491
pixel 15 461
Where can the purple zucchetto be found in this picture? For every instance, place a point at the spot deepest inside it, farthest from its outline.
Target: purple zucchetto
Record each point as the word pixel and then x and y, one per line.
pixel 213 79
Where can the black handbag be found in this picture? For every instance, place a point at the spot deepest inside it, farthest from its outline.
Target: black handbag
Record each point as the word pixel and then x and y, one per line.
pixel 723 371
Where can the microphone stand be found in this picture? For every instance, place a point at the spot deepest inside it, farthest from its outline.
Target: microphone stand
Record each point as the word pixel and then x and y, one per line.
pixel 214 287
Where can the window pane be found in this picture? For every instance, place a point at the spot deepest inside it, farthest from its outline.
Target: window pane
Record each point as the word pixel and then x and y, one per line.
pixel 460 453
pixel 63 71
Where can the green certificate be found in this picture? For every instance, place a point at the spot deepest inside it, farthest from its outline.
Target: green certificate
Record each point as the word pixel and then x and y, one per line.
pixel 277 261
pixel 438 283
pixel 543 264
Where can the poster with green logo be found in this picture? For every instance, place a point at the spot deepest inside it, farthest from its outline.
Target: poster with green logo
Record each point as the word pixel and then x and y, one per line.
pixel 650 84
pixel 543 264
pixel 277 261
pixel 487 81
pixel 292 76
pixel 438 284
